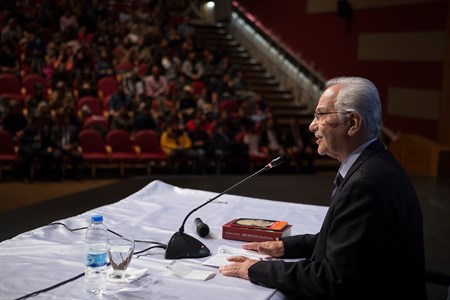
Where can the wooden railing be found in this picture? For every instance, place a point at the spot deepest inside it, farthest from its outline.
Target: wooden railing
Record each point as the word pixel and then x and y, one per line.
pixel 421 156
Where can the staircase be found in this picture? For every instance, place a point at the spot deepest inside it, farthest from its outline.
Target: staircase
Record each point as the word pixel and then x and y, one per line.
pixel 215 37
pixel 281 101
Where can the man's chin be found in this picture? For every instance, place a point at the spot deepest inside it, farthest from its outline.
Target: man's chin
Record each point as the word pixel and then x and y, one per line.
pixel 324 152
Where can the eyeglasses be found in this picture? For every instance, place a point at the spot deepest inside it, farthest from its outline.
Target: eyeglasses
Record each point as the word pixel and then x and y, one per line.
pixel 319 115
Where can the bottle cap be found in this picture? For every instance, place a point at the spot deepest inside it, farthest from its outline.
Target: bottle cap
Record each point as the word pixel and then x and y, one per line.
pixel 97 218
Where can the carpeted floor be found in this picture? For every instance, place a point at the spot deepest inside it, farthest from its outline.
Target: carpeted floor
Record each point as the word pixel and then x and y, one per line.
pixel 17 194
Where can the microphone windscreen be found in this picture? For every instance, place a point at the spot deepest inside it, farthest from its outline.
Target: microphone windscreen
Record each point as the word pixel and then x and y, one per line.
pixel 274 163
pixel 277 161
pixel 202 228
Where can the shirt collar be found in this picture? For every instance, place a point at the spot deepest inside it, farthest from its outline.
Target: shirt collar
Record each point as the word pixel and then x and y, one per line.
pixel 350 159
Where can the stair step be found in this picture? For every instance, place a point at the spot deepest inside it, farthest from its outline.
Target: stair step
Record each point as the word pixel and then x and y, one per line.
pixel 288 113
pixel 213 36
pixel 216 38
pixel 239 55
pixel 246 62
pixel 236 51
pixel 208 26
pixel 276 96
pixel 257 74
pixel 279 97
pixel 250 68
pixel 257 82
pixel 285 105
pixel 222 42
pixel 210 31
pixel 280 100
pixel 271 89
pixel 242 60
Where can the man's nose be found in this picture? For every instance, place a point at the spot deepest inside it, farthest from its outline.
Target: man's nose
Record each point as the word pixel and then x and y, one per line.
pixel 313 125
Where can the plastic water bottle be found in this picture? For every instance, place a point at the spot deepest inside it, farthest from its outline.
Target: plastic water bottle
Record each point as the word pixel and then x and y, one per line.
pixel 96 240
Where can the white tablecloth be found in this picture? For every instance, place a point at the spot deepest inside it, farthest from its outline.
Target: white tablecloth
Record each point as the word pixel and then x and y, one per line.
pixel 48 255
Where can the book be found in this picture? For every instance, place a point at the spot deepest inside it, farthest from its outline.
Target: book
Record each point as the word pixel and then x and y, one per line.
pixel 252 233
pixel 259 224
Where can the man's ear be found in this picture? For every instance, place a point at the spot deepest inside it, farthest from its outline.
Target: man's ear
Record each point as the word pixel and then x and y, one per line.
pixel 355 123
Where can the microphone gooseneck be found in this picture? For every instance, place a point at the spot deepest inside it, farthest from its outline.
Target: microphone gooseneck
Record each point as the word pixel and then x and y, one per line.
pixel 182 245
pixel 274 163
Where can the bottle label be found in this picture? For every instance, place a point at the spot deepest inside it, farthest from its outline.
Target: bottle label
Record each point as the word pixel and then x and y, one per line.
pixel 96 260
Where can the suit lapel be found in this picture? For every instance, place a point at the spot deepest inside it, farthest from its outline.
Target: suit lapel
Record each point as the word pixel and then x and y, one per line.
pixel 371 150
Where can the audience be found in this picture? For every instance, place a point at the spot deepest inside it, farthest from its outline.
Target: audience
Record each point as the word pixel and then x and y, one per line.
pixel 156 63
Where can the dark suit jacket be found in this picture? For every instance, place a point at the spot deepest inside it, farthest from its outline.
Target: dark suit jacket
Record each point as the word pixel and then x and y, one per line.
pixel 56 136
pixel 370 244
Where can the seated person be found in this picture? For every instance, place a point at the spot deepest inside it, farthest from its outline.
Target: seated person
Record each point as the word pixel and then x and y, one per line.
pixel 200 143
pixel 271 141
pixel 14 121
pixel 177 145
pixel 35 142
pixel 123 119
pixel 118 100
pixel 299 142
pixel 64 138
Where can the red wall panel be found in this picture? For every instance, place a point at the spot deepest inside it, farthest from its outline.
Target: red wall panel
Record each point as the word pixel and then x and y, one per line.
pixel 331 44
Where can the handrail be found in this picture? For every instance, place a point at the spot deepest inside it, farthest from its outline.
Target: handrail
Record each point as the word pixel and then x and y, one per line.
pixel 285 51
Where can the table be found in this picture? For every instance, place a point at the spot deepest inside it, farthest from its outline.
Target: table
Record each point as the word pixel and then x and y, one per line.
pixel 48 255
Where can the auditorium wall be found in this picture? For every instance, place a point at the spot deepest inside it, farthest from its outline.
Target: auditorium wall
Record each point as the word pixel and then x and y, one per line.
pixel 398 44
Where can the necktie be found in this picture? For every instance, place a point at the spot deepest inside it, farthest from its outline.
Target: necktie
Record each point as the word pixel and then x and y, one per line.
pixel 336 183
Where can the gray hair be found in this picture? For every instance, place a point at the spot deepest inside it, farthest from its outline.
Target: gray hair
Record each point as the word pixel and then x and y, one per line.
pixel 360 95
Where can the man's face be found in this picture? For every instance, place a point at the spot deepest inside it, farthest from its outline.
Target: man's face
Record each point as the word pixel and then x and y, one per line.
pixel 330 133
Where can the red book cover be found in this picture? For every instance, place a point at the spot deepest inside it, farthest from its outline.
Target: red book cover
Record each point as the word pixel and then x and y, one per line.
pixel 250 234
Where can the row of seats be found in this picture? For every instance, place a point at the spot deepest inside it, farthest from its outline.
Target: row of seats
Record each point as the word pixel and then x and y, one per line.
pixel 118 147
pixel 11 86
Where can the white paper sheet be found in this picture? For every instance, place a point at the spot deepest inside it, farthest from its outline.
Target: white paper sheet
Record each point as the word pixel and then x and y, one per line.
pixel 187 272
pixel 220 258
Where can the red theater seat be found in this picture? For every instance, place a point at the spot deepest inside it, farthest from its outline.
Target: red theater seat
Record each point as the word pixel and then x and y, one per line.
pixel 150 148
pixel 122 149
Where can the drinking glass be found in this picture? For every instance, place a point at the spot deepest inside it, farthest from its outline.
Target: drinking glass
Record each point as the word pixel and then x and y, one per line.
pixel 120 252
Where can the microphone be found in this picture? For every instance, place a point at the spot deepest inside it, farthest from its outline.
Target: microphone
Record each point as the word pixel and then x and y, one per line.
pixel 182 245
pixel 202 228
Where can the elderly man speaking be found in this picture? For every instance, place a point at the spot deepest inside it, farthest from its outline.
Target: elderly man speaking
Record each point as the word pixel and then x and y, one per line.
pixel 370 244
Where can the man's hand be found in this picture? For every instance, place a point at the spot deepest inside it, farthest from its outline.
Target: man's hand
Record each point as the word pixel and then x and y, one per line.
pixel 239 268
pixel 272 248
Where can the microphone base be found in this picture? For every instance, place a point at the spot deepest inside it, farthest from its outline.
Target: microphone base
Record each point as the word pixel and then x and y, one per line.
pixel 182 245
